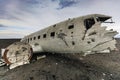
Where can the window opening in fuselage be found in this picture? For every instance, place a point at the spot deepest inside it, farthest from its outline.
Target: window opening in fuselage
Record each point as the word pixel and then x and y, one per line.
pixel 39 37
pixel 52 34
pixel 34 38
pixel 70 26
pixel 44 35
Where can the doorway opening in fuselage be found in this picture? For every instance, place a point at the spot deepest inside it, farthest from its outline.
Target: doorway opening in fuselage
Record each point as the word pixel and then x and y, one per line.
pixel 89 23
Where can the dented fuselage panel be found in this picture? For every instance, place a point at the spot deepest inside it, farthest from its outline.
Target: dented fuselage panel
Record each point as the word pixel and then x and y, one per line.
pixel 83 34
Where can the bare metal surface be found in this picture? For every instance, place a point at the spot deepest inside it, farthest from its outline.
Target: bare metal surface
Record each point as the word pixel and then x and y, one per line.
pixel 83 34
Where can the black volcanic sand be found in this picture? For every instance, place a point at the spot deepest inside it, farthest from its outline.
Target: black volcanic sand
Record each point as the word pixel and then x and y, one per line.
pixel 69 67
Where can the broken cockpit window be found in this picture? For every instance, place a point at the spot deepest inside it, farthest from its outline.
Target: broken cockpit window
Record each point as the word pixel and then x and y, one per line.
pixel 89 23
pixel 104 19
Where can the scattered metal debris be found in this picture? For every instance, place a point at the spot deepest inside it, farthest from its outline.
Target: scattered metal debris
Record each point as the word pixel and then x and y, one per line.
pixel 41 57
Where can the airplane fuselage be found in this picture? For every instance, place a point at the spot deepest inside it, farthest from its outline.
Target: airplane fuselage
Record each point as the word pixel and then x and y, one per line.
pixel 82 34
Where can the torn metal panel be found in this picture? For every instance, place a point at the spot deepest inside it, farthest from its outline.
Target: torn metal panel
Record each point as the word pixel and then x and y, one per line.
pixel 17 54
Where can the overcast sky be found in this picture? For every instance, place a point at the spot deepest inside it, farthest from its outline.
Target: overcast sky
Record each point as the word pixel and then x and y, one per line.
pixel 22 17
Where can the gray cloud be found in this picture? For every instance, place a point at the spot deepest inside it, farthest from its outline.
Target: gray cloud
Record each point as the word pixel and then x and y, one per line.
pixel 69 3
pixel 2 25
pixel 66 3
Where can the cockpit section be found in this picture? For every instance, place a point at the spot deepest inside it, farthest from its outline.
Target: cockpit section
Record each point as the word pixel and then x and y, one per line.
pixel 90 21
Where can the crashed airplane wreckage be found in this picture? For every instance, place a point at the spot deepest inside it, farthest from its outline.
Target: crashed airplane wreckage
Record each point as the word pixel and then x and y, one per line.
pixel 78 35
